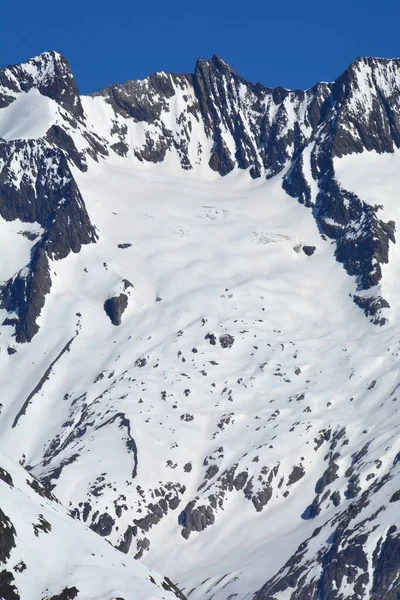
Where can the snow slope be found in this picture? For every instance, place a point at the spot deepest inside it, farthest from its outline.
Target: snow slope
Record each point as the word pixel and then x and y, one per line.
pixel 217 257
pixel 45 553
pixel 28 117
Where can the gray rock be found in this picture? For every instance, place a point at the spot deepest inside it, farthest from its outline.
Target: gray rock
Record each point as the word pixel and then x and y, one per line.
pixel 104 525
pixel 226 340
pixel 114 308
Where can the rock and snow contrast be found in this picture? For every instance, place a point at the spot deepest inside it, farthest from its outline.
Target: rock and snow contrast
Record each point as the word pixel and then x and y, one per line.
pixel 199 342
pixel 44 553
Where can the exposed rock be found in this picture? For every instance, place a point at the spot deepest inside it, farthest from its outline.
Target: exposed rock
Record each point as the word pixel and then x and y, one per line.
pixel 297 473
pixel 171 587
pixel 262 497
pixel 114 308
pixel 125 544
pixel 195 519
pixel 212 339
pixel 7 537
pixel 6 477
pixel 8 590
pixel 50 74
pixel 43 526
pixel 226 340
pixel 104 525
pixel 57 205
pixel 342 561
pixel 67 594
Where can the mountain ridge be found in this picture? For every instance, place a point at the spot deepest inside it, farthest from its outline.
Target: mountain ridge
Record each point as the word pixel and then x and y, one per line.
pixel 250 127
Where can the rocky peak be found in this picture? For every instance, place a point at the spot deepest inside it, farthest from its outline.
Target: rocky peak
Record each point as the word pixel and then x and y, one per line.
pixel 366 101
pixel 215 65
pixel 49 73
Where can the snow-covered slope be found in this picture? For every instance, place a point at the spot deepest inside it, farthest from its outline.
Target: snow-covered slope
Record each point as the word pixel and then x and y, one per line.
pixel 200 386
pixel 44 553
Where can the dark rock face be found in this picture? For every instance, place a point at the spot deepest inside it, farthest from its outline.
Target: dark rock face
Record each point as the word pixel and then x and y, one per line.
pixel 386 563
pixel 7 537
pixel 218 485
pixel 48 195
pixel 349 126
pixel 362 240
pixel 41 489
pixel 171 587
pixel 104 525
pixel 376 129
pixel 195 519
pixel 212 339
pixel 24 295
pixel 57 137
pixel 6 477
pixel 114 308
pixel 145 101
pixel 226 101
pixel 309 250
pixel 226 340
pixel 8 591
pixel 66 594
pixel 297 474
pixel 126 543
pixel 343 560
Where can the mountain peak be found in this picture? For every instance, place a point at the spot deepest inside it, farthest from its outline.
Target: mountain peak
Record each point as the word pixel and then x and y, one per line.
pixel 49 73
pixel 215 63
pixel 362 66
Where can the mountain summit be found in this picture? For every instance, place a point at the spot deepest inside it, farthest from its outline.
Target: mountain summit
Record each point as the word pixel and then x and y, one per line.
pixel 199 293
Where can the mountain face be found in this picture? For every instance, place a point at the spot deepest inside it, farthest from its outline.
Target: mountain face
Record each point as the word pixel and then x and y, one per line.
pixel 199 336
pixel 213 118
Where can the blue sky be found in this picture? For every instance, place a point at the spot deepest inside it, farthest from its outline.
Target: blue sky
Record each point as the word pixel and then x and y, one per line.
pixel 289 43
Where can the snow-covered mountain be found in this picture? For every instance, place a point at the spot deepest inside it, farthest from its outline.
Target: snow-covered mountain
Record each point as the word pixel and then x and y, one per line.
pixel 199 290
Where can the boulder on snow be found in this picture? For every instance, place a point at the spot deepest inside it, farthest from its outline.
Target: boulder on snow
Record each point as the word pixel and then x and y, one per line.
pixel 309 250
pixel 226 340
pixel 114 308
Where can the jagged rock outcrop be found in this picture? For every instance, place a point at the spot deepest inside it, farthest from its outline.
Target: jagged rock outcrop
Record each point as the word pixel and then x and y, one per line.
pixel 343 561
pixel 47 194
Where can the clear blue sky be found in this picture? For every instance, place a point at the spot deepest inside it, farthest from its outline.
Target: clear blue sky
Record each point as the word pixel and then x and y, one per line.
pixel 290 43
